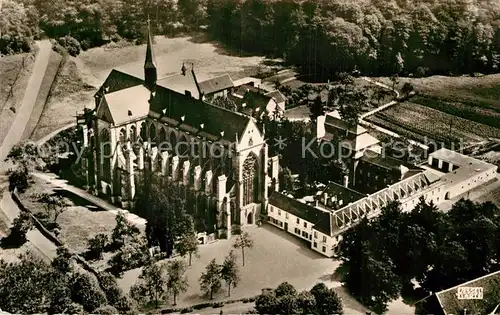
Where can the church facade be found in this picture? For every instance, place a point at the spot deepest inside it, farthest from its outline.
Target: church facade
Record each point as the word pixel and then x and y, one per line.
pixel 216 156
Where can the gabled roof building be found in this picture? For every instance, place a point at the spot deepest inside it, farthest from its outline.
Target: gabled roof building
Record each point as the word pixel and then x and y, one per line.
pixel 167 127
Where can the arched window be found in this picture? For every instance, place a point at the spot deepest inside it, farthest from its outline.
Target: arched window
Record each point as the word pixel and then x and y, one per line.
pixel 152 133
pixel 133 134
pixel 144 132
pixel 106 150
pixel 123 136
pixel 250 180
pixel 162 140
pixel 183 149
pixel 173 142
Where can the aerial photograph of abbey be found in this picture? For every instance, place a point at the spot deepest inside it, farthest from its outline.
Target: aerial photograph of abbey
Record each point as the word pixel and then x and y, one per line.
pixel 250 157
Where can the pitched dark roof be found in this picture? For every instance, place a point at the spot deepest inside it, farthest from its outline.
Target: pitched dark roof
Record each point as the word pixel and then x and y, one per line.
pixel 450 304
pixel 196 112
pixel 217 84
pixel 118 80
pixel 333 124
pixel 277 96
pixel 243 89
pixel 320 219
pixel 181 83
pixel 342 192
pixel 386 161
pixel 255 101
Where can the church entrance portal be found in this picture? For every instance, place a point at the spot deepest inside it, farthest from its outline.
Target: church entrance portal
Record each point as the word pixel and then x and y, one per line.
pixel 250 218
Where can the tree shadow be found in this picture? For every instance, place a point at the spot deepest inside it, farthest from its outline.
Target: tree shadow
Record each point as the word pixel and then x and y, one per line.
pixel 13 240
pixel 77 200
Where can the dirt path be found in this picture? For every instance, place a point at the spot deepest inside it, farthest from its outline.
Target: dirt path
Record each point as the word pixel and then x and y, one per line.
pixel 24 112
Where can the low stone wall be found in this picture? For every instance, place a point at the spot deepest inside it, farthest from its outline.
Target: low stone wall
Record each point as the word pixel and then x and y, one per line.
pixel 51 237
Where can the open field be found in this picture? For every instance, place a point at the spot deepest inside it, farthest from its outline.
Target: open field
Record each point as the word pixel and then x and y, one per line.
pixel 276 257
pixel 208 59
pixel 417 122
pixel 15 72
pixel 479 90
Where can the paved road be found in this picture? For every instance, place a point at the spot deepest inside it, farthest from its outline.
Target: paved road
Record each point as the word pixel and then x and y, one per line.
pixel 24 112
pixel 11 211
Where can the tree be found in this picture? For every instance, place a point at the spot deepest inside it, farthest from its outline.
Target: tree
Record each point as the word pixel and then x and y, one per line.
pixel 132 255
pixel 327 300
pixel 151 285
pixel 225 102
pixel 407 89
pixel 243 241
pixel 267 303
pixel 25 286
pixel 317 108
pixel 21 225
pixel 210 280
pixel 176 280
pixel 97 245
pixel 395 81
pixel 230 272
pixel 85 291
pixel 122 231
pixel 63 261
pixel 306 303
pixel 163 208
pixel 285 288
pixel 188 244
pixel 54 205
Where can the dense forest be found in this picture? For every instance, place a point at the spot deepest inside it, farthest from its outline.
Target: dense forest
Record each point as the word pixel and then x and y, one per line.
pixel 377 37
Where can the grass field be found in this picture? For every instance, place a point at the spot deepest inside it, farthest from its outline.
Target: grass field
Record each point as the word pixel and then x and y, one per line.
pixel 78 223
pixel 479 90
pixel 416 121
pixel 15 72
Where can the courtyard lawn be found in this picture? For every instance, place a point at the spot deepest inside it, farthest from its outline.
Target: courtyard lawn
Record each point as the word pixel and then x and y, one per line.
pixel 416 122
pixel 276 257
pixel 78 223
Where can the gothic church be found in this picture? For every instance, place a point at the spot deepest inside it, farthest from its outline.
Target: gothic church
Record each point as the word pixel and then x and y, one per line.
pixel 147 124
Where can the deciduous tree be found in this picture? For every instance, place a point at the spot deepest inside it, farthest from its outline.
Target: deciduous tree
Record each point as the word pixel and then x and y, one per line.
pixel 151 285
pixel 243 241
pixel 210 280
pixel 230 272
pixel 176 280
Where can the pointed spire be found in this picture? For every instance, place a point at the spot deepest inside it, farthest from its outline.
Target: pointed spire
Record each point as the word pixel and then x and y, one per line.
pixel 183 69
pixel 150 74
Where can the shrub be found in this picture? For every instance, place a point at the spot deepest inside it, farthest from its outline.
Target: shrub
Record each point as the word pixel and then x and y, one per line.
pixel 218 304
pixel 18 179
pixel 96 246
pixel 187 310
pixel 106 309
pixel 87 292
pixel 71 44
pixel 202 305
pixel 86 44
pixel 172 310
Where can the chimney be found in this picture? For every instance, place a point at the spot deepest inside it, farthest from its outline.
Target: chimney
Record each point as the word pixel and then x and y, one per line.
pixel 325 199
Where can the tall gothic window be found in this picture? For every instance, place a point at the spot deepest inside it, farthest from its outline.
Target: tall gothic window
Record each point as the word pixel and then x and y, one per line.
pixel 162 138
pixel 133 134
pixel 152 133
pixel 123 136
pixel 250 180
pixel 105 155
pixel 144 132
